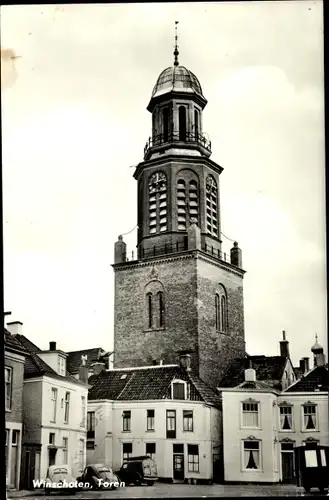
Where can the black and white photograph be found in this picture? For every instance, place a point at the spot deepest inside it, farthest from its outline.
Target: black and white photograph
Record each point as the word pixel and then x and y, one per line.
pixel 164 250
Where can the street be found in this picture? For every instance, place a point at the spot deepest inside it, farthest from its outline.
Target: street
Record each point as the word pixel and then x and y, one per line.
pixel 162 490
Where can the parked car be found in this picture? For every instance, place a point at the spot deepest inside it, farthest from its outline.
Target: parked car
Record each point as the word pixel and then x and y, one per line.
pixel 98 476
pixel 138 470
pixel 59 478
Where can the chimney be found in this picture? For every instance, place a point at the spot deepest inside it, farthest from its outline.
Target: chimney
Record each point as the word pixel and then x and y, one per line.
pixel 236 255
pixel 161 362
pixel 52 346
pixel 15 327
pixel 284 346
pixel 250 373
pixel 185 361
pixel 193 236
pixel 120 251
pixel 154 362
pixel 98 367
pixel 83 370
pixel 307 364
pixel 302 365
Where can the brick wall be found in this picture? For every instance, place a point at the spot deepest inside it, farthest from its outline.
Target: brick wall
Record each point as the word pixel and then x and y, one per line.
pixel 189 283
pixel 16 413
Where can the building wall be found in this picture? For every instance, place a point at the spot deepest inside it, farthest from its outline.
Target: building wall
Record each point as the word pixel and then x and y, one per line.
pixel 109 433
pixel 134 343
pixel 16 363
pixel 189 286
pixel 217 350
pixel 234 435
pixel 38 424
pixel 14 419
pixel 298 435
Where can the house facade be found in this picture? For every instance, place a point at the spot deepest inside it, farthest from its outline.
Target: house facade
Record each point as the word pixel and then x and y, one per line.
pixel 14 379
pixel 54 414
pixel 263 425
pixel 162 411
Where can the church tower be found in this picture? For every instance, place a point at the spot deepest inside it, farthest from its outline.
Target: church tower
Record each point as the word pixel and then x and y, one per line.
pixel 182 292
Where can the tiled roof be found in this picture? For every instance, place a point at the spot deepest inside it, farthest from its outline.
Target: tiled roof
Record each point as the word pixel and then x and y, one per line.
pixel 13 344
pixel 74 358
pixel 314 381
pixel 34 365
pixel 149 383
pixel 268 368
pixel 255 385
pixel 299 372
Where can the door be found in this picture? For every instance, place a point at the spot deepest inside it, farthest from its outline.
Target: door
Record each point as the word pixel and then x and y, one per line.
pixel 287 461
pixel 217 468
pixel 27 469
pixel 52 456
pixel 179 467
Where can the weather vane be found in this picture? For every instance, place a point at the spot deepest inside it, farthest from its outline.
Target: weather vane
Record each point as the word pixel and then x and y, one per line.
pixel 176 63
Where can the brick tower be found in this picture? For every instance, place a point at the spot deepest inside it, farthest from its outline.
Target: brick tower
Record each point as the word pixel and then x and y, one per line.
pixel 181 293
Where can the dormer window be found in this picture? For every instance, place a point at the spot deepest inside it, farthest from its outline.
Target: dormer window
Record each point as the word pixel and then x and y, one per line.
pixel 61 366
pixel 178 389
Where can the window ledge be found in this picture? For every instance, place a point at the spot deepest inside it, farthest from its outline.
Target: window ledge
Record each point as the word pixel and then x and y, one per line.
pixel 252 470
pixel 287 430
pixel 159 329
pixel 8 410
pixel 150 430
pixel 251 428
pixel 126 432
pixel 309 430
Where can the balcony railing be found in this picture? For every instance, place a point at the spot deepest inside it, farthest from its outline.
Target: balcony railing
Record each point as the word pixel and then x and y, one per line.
pixel 188 138
pixel 170 248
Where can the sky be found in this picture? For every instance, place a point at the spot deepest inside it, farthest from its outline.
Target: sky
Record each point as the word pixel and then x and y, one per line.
pixel 76 80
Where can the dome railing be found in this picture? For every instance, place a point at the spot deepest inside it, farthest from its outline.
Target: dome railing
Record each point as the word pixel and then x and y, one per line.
pixel 187 137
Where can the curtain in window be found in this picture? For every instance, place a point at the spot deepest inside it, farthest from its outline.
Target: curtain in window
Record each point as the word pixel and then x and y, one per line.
pixel 286 418
pixel 309 417
pixel 251 455
pixel 250 414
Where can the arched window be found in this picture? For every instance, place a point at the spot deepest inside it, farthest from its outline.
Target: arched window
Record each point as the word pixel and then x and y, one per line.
pixel 212 206
pixel 221 310
pixel 149 310
pixel 154 315
pixel 182 123
pixel 193 201
pixel 181 205
pixel 165 124
pixel 161 309
pixel 217 311
pixel 157 203
pixel 196 124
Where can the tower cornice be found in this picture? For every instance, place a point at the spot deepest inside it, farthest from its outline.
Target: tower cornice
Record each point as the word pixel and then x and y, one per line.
pixel 169 159
pixel 176 94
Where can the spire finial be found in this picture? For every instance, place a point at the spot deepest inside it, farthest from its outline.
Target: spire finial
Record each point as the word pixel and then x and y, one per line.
pixel 176 53
pixel 316 337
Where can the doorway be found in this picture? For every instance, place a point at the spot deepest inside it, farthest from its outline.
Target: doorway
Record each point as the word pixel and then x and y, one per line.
pixel 178 462
pixel 52 456
pixel 288 463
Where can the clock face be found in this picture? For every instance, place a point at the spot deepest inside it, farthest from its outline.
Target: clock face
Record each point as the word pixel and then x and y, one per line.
pixel 157 182
pixel 211 184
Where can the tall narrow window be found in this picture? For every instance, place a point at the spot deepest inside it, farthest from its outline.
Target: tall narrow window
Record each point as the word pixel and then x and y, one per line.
pixel 193 201
pixel 67 408
pixel 8 387
pixel 182 123
pixel 171 424
pixel 161 309
pixel 91 430
pixel 157 203
pixel 217 311
pixel 149 310
pixel 212 206
pixel 251 454
pixel 181 205
pixel 165 121
pixel 196 124
pixel 150 420
pixel 193 457
pixel 65 450
pixel 250 415
pixel 83 411
pixel 188 420
pixel 223 313
pixel 53 404
pixel 309 417
pixel 150 450
pixel 126 421
pixel 127 449
pixel 286 418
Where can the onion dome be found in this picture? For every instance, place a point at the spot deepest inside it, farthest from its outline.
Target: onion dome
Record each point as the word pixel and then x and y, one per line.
pixel 317 348
pixel 176 78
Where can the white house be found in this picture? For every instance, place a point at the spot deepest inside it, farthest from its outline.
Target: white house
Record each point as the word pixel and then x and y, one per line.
pixel 162 411
pixel 54 413
pixel 262 425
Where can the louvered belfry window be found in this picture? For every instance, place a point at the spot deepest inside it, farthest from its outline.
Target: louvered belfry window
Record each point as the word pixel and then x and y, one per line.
pixel 193 201
pixel 212 206
pixel 187 203
pixel 157 203
pixel 181 205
